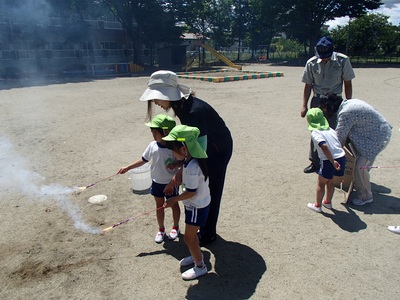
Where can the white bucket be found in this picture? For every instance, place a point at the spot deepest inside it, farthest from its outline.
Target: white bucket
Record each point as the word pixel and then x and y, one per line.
pixel 140 179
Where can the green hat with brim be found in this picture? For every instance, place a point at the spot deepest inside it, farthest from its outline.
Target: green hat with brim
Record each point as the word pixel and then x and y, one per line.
pixel 316 119
pixel 187 135
pixel 162 121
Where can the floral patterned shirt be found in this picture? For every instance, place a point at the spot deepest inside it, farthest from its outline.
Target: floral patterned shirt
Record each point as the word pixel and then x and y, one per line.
pixel 366 128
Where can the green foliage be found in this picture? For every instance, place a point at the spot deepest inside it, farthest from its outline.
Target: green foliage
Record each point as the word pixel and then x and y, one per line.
pixel 371 34
pixel 303 19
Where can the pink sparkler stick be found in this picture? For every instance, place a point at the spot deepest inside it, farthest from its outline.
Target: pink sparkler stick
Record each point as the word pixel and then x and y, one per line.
pixel 130 219
pixel 378 167
pixel 94 183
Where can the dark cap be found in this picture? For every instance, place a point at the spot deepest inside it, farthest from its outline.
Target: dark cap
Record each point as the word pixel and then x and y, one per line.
pixel 324 47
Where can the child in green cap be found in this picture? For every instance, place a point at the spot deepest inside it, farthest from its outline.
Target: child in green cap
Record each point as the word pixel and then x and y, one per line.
pixel 163 168
pixel 331 154
pixel 182 140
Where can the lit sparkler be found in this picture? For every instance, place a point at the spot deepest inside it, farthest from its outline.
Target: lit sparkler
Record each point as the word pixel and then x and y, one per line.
pixel 130 219
pixel 81 188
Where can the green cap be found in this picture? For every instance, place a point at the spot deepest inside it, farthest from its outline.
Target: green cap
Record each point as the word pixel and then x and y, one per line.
pixel 316 120
pixel 187 135
pixel 162 121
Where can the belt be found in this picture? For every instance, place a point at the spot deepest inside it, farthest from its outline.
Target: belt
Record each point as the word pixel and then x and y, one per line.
pixel 324 96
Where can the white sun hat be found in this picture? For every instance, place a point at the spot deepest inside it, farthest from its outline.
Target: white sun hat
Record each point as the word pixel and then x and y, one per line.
pixel 163 85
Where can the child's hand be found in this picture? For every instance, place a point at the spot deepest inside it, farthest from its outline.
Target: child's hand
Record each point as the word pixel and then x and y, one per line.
pixel 336 165
pixel 122 170
pixel 171 166
pixel 169 202
pixel 169 189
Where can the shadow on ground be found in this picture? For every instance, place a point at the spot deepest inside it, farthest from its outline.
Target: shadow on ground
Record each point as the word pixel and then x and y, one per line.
pixel 237 271
pixel 383 204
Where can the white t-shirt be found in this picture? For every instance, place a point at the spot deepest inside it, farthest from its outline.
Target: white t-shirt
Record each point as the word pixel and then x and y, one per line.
pixel 160 156
pixel 193 180
pixel 328 136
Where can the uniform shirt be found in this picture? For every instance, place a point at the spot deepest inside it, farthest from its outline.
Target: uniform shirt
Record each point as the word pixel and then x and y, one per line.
pixel 193 181
pixel 327 77
pixel 160 156
pixel 328 137
pixel 367 129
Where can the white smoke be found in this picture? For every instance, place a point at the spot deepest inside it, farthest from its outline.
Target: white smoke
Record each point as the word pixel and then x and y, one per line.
pixel 14 176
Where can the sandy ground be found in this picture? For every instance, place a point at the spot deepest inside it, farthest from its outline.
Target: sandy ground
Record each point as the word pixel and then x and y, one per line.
pixel 55 137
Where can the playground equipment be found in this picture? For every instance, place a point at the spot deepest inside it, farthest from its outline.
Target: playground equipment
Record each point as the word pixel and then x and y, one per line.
pixel 190 62
pixel 221 57
pixel 217 55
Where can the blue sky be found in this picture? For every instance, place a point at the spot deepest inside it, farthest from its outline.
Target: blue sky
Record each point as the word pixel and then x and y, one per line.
pixel 390 8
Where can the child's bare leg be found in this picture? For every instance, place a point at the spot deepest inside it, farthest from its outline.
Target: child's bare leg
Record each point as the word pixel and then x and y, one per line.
pixel 320 189
pixel 330 189
pixel 176 214
pixel 192 241
pixel 160 212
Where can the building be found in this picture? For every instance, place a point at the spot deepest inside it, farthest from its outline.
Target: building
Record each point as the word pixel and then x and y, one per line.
pixel 54 45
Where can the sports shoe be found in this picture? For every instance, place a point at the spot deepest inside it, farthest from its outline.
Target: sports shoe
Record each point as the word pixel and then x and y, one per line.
pixel 194 272
pixel 395 229
pixel 358 201
pixel 327 204
pixel 314 208
pixel 159 237
pixel 173 234
pixel 187 261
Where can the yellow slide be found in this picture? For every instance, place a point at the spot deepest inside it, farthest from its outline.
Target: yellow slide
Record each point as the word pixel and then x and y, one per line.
pixel 190 63
pixel 221 57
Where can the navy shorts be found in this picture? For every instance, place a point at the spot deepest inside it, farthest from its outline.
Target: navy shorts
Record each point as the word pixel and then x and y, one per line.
pixel 196 216
pixel 157 190
pixel 327 170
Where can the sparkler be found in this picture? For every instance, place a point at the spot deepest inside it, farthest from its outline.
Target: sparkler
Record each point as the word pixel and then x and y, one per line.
pixel 378 167
pixel 130 219
pixel 81 188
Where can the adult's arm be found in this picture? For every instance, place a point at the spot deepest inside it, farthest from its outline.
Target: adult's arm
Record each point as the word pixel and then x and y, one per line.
pixel 348 89
pixel 306 96
pixel 343 127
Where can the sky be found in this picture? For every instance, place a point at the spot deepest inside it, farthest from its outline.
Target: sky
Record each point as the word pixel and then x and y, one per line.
pixel 390 8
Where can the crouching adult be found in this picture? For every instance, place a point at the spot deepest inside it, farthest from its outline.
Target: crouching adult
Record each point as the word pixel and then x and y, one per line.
pixel 367 130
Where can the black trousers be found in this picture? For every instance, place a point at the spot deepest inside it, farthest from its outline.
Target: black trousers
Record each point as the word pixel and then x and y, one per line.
pixel 217 163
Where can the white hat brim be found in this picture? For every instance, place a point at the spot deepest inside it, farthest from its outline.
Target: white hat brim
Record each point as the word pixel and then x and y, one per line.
pixel 168 93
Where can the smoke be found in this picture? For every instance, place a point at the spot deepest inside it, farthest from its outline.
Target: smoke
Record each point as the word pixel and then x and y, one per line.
pixel 35 11
pixel 14 176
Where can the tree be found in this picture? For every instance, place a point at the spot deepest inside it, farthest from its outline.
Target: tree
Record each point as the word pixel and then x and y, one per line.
pixel 263 23
pixel 370 34
pixel 208 18
pixel 146 22
pixel 303 19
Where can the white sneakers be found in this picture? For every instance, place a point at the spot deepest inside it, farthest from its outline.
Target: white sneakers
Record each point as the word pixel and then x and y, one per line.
pixel 173 234
pixel 187 261
pixel 314 208
pixel 194 272
pixel 395 229
pixel 326 204
pixel 159 237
